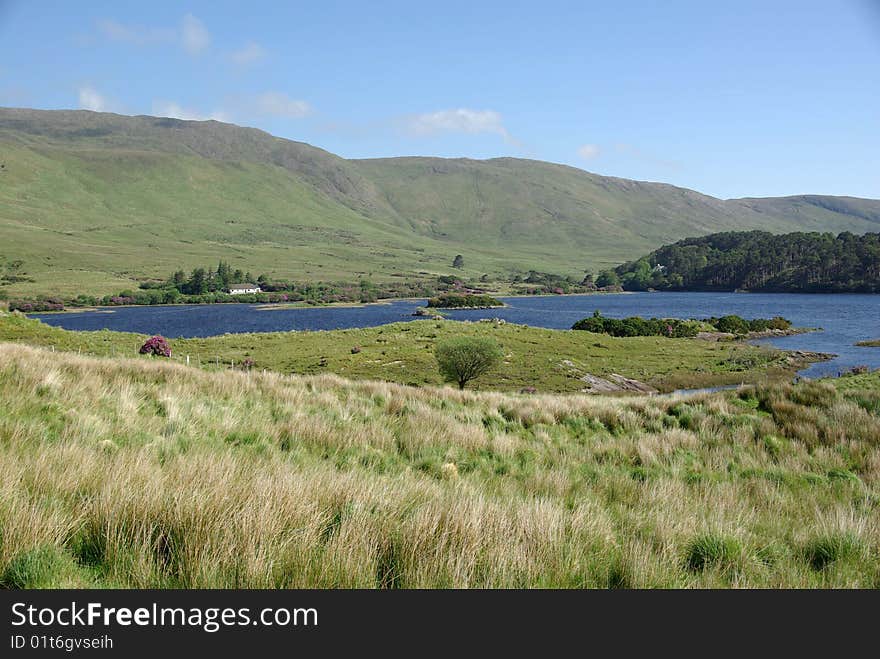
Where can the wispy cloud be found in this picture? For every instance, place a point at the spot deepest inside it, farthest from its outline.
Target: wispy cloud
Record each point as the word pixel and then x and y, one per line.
pixel 191 34
pixel 248 54
pixel 461 120
pixel 177 111
pixel 135 35
pixel 194 35
pixel 91 99
pixel 278 104
pixel 589 151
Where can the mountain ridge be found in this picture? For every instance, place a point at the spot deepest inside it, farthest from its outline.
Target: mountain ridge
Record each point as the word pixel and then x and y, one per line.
pixel 98 200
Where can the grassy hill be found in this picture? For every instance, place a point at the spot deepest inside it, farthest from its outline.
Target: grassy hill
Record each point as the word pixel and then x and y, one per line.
pixel 94 202
pixel 147 474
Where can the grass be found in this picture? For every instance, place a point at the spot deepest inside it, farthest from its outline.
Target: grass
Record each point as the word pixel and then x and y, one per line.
pixel 146 473
pixel 548 360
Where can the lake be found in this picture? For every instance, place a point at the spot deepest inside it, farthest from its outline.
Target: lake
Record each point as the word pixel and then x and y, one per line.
pixel 845 319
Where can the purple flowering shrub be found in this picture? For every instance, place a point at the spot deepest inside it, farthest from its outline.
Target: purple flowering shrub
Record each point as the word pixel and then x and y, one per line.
pixel 156 346
pixel 28 306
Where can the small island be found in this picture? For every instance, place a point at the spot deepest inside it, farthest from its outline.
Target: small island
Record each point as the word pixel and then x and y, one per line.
pixel 461 301
pixel 875 343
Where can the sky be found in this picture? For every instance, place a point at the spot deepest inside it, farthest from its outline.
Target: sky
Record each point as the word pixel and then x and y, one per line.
pixel 734 99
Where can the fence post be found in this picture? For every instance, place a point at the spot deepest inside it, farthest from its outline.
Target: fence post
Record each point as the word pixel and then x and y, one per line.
pixel 187 360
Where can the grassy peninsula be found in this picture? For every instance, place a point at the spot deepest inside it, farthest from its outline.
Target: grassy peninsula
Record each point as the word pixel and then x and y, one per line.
pixel 549 361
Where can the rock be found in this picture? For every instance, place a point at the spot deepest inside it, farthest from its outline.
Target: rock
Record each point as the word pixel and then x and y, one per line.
pixel 614 383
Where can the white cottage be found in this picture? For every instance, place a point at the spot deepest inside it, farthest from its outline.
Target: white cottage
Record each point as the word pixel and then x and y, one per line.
pixel 241 289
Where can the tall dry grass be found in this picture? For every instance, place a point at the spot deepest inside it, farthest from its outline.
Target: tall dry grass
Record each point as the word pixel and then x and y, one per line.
pixel 134 473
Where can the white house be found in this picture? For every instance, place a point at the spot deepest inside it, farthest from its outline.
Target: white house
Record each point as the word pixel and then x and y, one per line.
pixel 241 289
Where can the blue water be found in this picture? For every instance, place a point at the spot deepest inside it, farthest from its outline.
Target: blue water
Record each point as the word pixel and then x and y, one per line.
pixel 845 319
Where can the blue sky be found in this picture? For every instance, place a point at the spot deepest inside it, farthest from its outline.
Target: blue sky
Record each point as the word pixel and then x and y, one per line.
pixel 744 98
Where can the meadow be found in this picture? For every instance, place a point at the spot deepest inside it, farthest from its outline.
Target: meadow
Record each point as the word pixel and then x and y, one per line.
pixel 546 360
pixel 125 472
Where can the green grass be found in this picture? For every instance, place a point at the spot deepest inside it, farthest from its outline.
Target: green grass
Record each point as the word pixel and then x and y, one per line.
pixel 548 360
pixel 93 203
pixel 139 473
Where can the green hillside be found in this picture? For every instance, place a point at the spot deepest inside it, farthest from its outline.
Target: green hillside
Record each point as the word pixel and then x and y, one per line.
pixel 95 202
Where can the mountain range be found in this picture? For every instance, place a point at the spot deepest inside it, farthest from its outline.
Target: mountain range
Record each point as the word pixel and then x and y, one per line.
pixel 95 202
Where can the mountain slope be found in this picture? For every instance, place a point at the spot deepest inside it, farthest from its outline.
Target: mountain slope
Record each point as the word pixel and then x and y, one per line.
pixel 95 201
pixel 511 200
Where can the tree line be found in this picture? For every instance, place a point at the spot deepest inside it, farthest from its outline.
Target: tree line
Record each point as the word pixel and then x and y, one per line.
pixel 759 261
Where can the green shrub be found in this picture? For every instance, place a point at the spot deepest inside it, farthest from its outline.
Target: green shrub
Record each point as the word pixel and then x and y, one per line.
pixel 457 301
pixel 637 326
pixel 732 324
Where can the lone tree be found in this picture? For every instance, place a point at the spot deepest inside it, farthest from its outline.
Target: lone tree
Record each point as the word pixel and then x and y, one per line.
pixel 462 359
pixel 458 261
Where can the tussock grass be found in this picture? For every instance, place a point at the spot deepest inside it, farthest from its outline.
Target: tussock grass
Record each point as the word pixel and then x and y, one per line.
pixel 144 473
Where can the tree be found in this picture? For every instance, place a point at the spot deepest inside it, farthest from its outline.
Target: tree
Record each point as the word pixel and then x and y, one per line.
pixel 224 276
pixel 462 359
pixel 607 278
pixel 178 279
pixel 198 282
pixel 458 261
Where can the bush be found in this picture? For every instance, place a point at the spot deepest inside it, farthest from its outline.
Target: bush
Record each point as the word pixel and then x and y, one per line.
pixel 30 306
pixel 462 359
pixel 455 301
pixel 637 326
pixel 156 346
pixel 732 324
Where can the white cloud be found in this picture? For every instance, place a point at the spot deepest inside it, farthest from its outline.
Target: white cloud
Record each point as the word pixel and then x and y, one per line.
pixel 281 105
pixel 135 35
pixel 194 35
pixel 90 99
pixel 589 151
pixel 191 35
pixel 248 54
pixel 177 111
pixel 461 120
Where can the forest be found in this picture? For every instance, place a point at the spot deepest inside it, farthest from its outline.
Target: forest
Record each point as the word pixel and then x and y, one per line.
pixel 759 261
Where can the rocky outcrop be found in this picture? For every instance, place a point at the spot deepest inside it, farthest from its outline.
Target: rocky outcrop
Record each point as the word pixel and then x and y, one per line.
pixel 765 334
pixel 614 383
pixel 611 383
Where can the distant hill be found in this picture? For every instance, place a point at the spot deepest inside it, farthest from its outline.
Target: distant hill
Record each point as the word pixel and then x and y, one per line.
pixel 761 261
pixel 95 201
